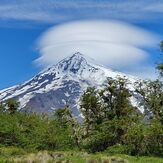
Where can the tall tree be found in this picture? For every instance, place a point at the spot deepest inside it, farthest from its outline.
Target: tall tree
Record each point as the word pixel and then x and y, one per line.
pixel 108 114
pixel 67 120
pixel 152 94
pixel 91 109
pixel 119 110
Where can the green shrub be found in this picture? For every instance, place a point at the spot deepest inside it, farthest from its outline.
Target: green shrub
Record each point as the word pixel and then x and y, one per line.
pixel 145 139
pixel 12 151
pixel 96 143
pixel 118 149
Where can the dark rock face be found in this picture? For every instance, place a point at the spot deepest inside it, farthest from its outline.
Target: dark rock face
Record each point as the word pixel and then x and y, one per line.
pixel 54 99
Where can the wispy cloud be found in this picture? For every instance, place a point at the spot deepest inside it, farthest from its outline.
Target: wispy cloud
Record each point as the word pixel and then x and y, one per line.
pixel 111 43
pixel 157 7
pixel 57 11
pixel 27 12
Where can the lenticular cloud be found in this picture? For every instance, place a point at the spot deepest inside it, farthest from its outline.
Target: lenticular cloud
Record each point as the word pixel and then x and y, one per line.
pixel 110 43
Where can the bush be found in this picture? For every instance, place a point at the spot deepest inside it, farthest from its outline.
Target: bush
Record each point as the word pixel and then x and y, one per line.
pixel 118 149
pixel 12 151
pixel 8 129
pixel 58 137
pixel 145 139
pixel 96 143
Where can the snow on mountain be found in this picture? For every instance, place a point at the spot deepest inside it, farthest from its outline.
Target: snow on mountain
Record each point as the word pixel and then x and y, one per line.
pixel 61 83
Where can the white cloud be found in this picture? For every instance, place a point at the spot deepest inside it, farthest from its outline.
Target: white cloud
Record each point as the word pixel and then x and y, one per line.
pixel 111 43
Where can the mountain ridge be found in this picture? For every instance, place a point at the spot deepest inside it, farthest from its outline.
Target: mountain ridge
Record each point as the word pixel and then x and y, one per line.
pixel 61 83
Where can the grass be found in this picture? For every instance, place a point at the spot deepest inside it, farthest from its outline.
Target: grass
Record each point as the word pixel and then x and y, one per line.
pixel 17 155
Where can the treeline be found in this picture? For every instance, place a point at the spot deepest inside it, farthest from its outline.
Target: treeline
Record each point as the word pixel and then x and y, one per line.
pixel 33 131
pixel 110 122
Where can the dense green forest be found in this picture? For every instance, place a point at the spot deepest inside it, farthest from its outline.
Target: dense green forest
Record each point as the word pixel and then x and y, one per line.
pixel 110 123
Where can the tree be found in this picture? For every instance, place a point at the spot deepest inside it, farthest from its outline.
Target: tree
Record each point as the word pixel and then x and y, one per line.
pixel 12 106
pixel 91 109
pixel 135 139
pixel 67 120
pixel 8 130
pixel 2 107
pixel 62 116
pixel 145 138
pixel 31 130
pixel 160 65
pixel 152 94
pixel 116 97
pixel 119 109
pixel 108 114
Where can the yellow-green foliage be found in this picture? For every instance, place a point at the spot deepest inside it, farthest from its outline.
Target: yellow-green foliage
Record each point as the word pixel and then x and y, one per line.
pixel 16 155
pixel 12 151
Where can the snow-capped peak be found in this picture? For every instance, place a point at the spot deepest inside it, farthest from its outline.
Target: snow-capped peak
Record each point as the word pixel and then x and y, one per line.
pixel 62 82
pixel 73 63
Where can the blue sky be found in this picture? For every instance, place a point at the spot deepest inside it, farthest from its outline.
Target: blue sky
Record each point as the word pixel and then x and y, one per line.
pixel 22 22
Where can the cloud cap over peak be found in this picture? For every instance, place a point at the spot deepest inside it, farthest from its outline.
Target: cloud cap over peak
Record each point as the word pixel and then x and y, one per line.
pixel 98 31
pixel 108 42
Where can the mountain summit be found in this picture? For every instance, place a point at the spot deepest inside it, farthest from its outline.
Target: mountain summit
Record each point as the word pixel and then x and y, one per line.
pixel 61 83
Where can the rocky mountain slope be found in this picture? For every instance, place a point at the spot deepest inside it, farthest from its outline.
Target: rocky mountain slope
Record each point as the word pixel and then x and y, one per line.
pixel 61 83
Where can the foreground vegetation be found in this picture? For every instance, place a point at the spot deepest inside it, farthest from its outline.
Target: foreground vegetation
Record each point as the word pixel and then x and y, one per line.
pixel 17 155
pixel 112 129
pixel 110 123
